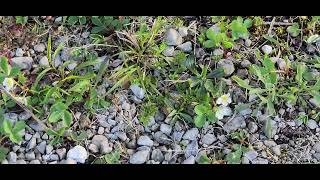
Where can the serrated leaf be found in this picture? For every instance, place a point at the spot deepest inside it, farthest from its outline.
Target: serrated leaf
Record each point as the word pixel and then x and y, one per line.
pixel 247 23
pixel 211 116
pixel 19 126
pixel 200 109
pixel 58 106
pixel 209 86
pixel 200 120
pixel 234 157
pixel 80 87
pixel 97 29
pixel 186 117
pixel 7 126
pixel 72 20
pixel 242 83
pixel 82 20
pixel 209 44
pixel 204 159
pixel 216 73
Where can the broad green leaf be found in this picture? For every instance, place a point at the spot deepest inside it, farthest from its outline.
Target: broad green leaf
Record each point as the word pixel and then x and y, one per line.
pixel 248 23
pixel 209 44
pixel 294 30
pixel 97 29
pixel 4 65
pixel 200 109
pixel 209 86
pixel 14 71
pixel 211 34
pixel 96 21
pixel 72 20
pixel 15 137
pixel 82 20
pixel 19 126
pixel 7 126
pixel 55 116
pixel 58 106
pixel 200 120
pixel 234 157
pixel 204 159
pixel 211 116
pixel 67 118
pixel 216 73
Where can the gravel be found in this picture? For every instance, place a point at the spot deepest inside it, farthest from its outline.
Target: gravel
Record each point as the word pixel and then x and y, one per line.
pixel 145 141
pixel 39 47
pixel 137 91
pixel 266 49
pixel 189 160
pixel 166 129
pixel 139 157
pixel 31 144
pixel 173 38
pixel 169 51
pixel 234 124
pixel 183 31
pixel 312 124
pixel 19 52
pixel 185 47
pixel 191 149
pixel 102 143
pixel 251 155
pixel 61 153
pixel 12 157
pixel 245 63
pixel 30 156
pixel 227 66
pixel 157 155
pixel 42 147
pixel 191 134
pixel 78 154
pixel 208 139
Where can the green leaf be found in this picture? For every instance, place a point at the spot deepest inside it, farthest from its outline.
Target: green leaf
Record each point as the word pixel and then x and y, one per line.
pixel 7 126
pixel 187 117
pixel 3 153
pixel 80 87
pixel 200 109
pixel 268 128
pixel 14 71
pixel 97 29
pixel 204 159
pixel 313 38
pixel 216 73
pixel 301 68
pixel 209 86
pixel 209 44
pixel 211 34
pixel 15 137
pixel 247 23
pixel 242 83
pixel 211 116
pixel 294 30
pixel 82 20
pixel 234 157
pixel 96 21
pixel 200 120
pixel 67 118
pixel 72 20
pixel 39 77
pixel 58 106
pixel 19 126
pixel 55 116
pixel 4 65
pixel 112 158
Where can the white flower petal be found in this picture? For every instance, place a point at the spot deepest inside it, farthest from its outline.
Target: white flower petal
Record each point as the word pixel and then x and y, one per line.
pixel 219 100
pixel 8 83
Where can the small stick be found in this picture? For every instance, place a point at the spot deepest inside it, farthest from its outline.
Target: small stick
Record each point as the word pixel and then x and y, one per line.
pixel 271 25
pixel 278 23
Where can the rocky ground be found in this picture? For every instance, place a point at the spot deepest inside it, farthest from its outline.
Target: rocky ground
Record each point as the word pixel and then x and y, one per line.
pixel 116 134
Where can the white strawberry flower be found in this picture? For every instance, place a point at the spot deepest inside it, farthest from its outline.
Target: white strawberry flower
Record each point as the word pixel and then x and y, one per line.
pixel 8 83
pixel 223 111
pixel 225 100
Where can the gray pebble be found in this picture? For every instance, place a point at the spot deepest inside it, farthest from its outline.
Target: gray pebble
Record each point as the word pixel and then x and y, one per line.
pixel 266 49
pixel 61 153
pixel 19 52
pixel 189 160
pixel 42 147
pixel 234 124
pixel 27 136
pixel 173 38
pixel 145 141
pixel 191 149
pixel 36 161
pixel 32 143
pixel 166 129
pixel 78 153
pixel 49 149
pixel 177 136
pixel 39 47
pixel 251 155
pixel 312 124
pixel 157 155
pixel 30 156
pixel 252 126
pixel 245 63
pixel 100 130
pixel 208 139
pixel 169 51
pixel 260 161
pixel 137 91
pixel 218 52
pixel 276 150
pixel 185 47
pixel 121 135
pixel 21 161
pixel 191 134
pixel 183 31
pixel 12 158
pixel 44 62
pixel 247 42
pixel 161 138
pixel 227 66
pixel 139 157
